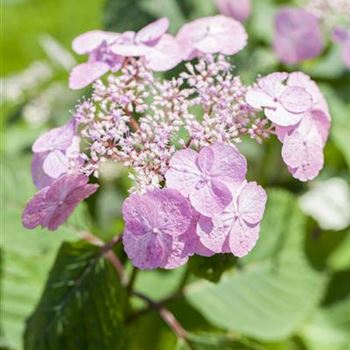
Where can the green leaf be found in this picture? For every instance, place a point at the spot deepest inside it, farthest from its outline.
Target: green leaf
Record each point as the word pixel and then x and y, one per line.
pixel 272 295
pixel 340 258
pixel 340 112
pixel 214 341
pixel 26 254
pixel 329 328
pixel 211 268
pixel 82 306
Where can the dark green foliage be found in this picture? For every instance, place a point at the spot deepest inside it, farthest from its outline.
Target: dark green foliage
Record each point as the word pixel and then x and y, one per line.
pixel 82 306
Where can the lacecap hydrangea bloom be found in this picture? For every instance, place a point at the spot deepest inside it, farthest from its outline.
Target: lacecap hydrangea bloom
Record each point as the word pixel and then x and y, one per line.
pixel 178 138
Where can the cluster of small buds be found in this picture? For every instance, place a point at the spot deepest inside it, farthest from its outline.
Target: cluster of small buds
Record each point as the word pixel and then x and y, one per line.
pixel 177 137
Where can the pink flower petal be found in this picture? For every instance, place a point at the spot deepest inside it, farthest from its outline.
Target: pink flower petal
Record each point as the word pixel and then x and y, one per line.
pixel 258 98
pixel 89 41
pixel 212 238
pixel 282 117
pixel 183 173
pixel 297 35
pixel 237 9
pixel 251 203
pixel 211 199
pixel 55 164
pixel 153 31
pixel 40 178
pixel 58 138
pixel 145 252
pixel 212 35
pixel 296 99
pixel 242 238
pixel 230 166
pixel 86 73
pixel 165 55
pixel 302 80
pixel 205 159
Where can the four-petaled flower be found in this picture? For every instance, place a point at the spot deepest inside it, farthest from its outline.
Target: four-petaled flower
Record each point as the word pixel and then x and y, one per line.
pixel 283 104
pixel 55 152
pixel 297 35
pixel 236 229
pixel 208 35
pixel 154 222
pixel 52 205
pixel 205 177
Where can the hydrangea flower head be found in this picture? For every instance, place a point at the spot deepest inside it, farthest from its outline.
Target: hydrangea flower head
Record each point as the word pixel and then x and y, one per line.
pixel 153 223
pixel 297 35
pixel 237 227
pixel 237 9
pixel 52 205
pixel 209 35
pixel 283 104
pixel 204 177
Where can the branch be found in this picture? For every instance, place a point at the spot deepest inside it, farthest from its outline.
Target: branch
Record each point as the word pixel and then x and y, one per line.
pixel 167 316
pixel 107 252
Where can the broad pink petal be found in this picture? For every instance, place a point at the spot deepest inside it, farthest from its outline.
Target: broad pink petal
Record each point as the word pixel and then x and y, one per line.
pixel 55 164
pixel 153 31
pixel 213 238
pixel 282 117
pixel 40 178
pixel 273 84
pixel 242 238
pixel 145 252
pixel 296 99
pixel 58 138
pixel 205 159
pixel 230 166
pixel 258 98
pixel 183 174
pixel 237 9
pixel 36 210
pixel 173 211
pixel 251 203
pixel 304 81
pixel 165 55
pixel 297 35
pixel 130 49
pixel 87 42
pixel 86 73
pixel 211 198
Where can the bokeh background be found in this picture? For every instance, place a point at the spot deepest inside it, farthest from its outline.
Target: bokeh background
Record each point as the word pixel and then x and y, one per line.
pixel 291 292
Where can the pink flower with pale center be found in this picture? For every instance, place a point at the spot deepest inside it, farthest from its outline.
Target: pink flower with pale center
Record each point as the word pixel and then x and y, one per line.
pixel 96 44
pixel 52 205
pixel 297 35
pixel 54 153
pixel 160 50
pixel 209 35
pixel 154 222
pixel 282 103
pixel 204 177
pixel 237 228
pixel 237 9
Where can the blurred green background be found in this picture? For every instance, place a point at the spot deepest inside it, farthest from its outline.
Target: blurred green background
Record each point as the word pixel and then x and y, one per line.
pixel 292 292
